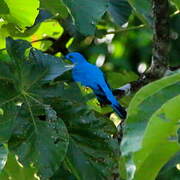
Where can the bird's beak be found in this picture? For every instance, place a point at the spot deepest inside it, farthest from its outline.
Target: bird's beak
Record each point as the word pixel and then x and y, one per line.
pixel 66 60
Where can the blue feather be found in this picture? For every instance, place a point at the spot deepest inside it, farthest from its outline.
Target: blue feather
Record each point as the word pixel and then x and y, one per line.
pixel 91 76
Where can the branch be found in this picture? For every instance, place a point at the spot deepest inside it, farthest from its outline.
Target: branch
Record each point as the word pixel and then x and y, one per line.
pixel 160 53
pixel 44 39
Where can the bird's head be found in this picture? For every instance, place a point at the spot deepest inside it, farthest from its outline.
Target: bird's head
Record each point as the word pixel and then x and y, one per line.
pixel 75 58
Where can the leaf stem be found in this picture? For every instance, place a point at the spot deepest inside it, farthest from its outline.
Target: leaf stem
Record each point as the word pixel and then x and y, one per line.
pixel 34 99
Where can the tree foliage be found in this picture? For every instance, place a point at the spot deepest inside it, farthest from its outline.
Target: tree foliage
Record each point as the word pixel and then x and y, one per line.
pixel 52 128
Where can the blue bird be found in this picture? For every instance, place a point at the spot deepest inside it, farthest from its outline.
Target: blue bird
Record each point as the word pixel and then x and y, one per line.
pixel 91 76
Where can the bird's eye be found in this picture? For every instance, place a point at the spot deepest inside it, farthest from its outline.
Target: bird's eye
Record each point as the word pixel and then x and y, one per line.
pixel 71 56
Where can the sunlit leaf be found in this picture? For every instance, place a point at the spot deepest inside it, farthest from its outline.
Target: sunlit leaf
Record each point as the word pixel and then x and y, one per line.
pixel 3 156
pixel 3 7
pixel 138 136
pixel 15 170
pixel 154 141
pixel 22 13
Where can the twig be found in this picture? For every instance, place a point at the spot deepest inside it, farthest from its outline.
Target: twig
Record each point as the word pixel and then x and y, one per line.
pixel 59 45
pixel 134 86
pixel 44 39
pixel 127 29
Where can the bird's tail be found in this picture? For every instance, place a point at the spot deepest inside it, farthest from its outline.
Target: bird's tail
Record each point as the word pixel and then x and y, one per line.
pixel 106 96
pixel 119 110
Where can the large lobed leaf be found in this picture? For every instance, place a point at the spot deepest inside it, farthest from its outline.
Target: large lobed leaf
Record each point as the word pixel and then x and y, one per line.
pixel 31 66
pixel 40 143
pixel 14 170
pixel 46 123
pixel 151 126
pixel 86 13
pixel 43 145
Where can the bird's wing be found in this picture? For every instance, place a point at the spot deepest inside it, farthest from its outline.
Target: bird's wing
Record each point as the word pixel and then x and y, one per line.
pixel 91 76
pixel 101 96
pixel 99 85
pixel 87 75
pixel 105 96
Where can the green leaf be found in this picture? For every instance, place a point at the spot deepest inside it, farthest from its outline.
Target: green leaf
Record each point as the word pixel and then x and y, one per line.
pixel 120 10
pixel 143 9
pixel 154 141
pixel 64 91
pixel 92 151
pixel 45 146
pixel 15 170
pixel 38 136
pixel 5 73
pixel 90 10
pixel 32 67
pixel 22 13
pixel 8 92
pixel 54 66
pixel 153 100
pixel 25 73
pixel 17 49
pixel 3 7
pixel 80 164
pixel 6 121
pixel 3 156
pixel 55 6
pixel 63 173
pixel 41 144
pixel 90 135
pixel 143 102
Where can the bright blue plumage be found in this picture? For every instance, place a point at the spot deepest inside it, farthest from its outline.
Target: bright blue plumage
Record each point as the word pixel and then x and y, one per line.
pixel 91 76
